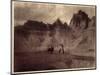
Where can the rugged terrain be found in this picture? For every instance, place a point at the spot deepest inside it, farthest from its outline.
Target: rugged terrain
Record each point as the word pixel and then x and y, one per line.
pixel 32 40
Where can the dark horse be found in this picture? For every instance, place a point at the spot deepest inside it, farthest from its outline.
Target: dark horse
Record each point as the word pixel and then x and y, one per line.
pixel 51 50
pixel 61 49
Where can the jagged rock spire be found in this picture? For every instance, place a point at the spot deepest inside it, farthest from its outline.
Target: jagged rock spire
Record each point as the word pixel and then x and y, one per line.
pixel 58 21
pixel 79 21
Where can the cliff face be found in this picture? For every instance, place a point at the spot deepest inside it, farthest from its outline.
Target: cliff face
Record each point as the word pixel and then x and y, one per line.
pixel 36 36
pixel 79 21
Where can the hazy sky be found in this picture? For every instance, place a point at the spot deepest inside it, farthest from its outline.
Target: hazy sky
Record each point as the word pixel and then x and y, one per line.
pixel 48 13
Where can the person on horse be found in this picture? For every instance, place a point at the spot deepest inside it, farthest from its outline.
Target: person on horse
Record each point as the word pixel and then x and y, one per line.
pixel 61 48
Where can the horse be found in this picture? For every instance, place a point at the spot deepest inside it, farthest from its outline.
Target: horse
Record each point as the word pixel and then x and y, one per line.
pixel 51 50
pixel 61 48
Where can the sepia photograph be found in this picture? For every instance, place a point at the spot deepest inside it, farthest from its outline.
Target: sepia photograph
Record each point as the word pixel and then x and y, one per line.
pixel 48 37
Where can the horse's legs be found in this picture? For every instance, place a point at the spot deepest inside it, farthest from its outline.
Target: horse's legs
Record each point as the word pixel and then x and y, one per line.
pixel 51 51
pixel 63 51
pixel 59 50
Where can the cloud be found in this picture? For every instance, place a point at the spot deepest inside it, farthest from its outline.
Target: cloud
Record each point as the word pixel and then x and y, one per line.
pixel 47 12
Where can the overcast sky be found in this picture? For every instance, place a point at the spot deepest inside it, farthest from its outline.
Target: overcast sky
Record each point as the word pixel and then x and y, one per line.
pixel 48 13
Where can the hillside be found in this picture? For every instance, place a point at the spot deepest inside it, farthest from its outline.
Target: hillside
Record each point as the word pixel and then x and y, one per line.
pixel 33 39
